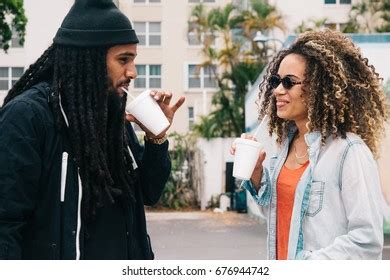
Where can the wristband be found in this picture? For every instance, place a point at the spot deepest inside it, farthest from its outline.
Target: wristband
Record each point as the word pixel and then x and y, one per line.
pixel 157 141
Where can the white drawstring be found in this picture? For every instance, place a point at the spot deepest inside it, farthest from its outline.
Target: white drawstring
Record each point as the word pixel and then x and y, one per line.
pixel 64 169
pixel 135 166
pixel 63 112
pixel 78 218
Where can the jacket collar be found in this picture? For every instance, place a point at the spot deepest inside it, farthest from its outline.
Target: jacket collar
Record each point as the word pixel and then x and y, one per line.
pixel 312 139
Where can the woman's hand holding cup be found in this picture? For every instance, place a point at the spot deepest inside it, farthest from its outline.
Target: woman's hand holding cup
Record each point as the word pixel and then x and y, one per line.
pixel 248 148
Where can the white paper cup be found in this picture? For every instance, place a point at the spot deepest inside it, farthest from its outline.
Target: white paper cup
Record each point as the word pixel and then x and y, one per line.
pixel 245 158
pixel 145 108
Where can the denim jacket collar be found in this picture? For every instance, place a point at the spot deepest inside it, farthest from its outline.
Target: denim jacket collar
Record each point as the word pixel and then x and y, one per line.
pixel 312 139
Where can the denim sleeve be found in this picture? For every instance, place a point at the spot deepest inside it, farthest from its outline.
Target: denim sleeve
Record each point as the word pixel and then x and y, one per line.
pixel 263 196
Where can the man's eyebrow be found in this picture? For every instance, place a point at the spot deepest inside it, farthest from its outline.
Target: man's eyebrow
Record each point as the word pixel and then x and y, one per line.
pixel 131 54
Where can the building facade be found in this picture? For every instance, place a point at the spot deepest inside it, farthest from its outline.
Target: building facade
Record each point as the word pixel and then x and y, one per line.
pixel 168 55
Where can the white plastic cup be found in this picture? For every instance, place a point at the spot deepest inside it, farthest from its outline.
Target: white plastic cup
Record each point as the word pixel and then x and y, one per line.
pixel 245 158
pixel 146 110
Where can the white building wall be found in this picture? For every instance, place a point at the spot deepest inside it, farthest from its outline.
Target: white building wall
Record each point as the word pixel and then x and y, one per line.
pixel 216 153
pixel 15 57
pixel 294 12
pixel 44 18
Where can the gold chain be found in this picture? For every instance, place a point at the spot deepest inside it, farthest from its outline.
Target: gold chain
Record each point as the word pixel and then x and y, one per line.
pixel 297 157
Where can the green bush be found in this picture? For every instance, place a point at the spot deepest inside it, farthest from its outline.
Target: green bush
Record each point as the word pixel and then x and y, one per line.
pixel 180 191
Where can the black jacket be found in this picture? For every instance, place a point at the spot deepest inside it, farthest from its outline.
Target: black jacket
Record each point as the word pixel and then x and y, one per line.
pixel 36 220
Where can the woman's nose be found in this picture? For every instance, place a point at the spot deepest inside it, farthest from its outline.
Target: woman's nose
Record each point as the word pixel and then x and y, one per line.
pixel 279 90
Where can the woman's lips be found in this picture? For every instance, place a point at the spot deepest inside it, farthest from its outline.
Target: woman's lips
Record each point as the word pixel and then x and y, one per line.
pixel 281 103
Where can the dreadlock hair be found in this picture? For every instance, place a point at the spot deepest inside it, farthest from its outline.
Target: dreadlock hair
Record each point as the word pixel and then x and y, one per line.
pixel 96 120
pixel 342 91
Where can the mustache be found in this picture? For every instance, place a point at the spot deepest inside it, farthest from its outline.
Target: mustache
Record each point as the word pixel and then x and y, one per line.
pixel 124 82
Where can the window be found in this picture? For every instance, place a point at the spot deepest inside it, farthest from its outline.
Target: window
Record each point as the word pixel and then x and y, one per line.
pixel 201 77
pixel 147 1
pixel 9 76
pixel 148 76
pixel 194 40
pixel 191 117
pixel 149 33
pixel 337 2
pixel 201 1
pixel 15 39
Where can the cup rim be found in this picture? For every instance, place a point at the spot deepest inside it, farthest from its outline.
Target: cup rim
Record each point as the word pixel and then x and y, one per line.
pixel 138 99
pixel 249 142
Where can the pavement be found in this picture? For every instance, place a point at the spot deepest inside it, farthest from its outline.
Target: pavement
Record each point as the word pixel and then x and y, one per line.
pixel 211 236
pixel 206 236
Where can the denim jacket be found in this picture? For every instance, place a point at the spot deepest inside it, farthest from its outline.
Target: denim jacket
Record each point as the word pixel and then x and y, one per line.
pixel 337 212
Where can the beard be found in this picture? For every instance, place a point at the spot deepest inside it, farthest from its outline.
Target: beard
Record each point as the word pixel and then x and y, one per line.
pixel 117 145
pixel 116 105
pixel 115 122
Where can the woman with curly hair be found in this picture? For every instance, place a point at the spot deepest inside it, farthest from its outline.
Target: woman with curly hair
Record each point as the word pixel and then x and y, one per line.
pixel 321 191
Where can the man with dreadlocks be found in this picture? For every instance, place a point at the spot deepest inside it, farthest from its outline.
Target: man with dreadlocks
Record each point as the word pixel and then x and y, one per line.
pixel 73 178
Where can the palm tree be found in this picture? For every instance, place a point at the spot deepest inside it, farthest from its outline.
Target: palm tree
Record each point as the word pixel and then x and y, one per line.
pixel 311 25
pixel 368 16
pixel 13 9
pixel 261 16
pixel 219 21
pixel 238 65
pixel 385 16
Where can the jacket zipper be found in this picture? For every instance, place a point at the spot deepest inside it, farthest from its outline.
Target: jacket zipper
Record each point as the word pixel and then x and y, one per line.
pixel 64 170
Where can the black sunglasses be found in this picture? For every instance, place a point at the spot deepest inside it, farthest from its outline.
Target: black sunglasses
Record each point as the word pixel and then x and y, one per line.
pixel 287 82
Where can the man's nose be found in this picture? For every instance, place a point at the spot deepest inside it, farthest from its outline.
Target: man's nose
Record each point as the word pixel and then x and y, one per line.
pixel 131 72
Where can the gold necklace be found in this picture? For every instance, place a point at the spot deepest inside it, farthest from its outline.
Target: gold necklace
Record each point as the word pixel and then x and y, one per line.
pixel 297 157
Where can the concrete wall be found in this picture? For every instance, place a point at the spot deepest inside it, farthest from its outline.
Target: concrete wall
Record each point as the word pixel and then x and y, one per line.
pixel 215 154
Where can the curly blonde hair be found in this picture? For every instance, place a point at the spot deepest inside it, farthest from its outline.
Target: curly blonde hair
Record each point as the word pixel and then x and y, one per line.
pixel 342 91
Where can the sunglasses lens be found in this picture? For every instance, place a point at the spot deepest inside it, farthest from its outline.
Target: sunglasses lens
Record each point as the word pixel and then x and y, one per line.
pixel 287 83
pixel 274 81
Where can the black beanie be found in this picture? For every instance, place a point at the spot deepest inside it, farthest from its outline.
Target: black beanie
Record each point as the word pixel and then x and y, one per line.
pixel 93 23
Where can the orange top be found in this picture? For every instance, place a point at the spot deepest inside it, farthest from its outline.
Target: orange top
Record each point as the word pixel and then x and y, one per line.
pixel 285 190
